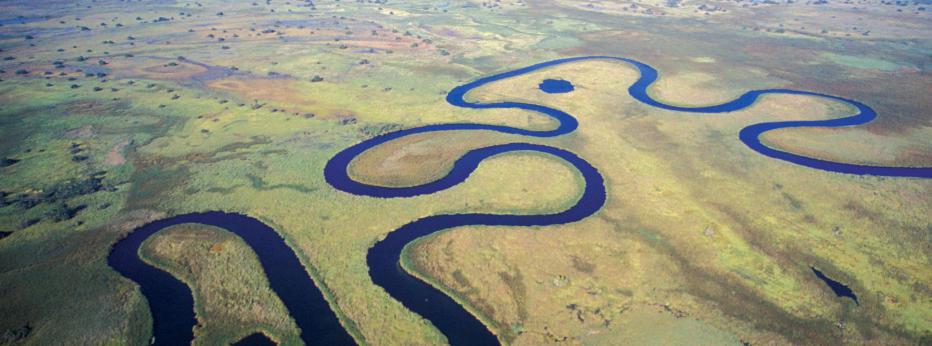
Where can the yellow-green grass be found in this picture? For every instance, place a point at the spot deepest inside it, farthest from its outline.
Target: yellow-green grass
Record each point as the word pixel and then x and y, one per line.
pixel 419 159
pixel 682 185
pixel 231 294
pixel 695 224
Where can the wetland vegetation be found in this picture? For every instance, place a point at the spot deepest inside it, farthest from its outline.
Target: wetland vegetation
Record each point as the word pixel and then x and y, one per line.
pixel 117 114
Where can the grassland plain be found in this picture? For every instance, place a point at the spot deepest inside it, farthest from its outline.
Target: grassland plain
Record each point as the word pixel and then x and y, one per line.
pixel 117 113
pixel 219 267
pixel 701 226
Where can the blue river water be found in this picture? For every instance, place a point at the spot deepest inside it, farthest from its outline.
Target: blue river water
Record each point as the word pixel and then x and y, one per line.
pixel 556 86
pixel 171 303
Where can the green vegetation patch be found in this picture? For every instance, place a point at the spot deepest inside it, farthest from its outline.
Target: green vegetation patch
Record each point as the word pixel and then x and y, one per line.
pixel 862 62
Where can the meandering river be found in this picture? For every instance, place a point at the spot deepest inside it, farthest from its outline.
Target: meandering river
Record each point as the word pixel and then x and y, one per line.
pixel 171 303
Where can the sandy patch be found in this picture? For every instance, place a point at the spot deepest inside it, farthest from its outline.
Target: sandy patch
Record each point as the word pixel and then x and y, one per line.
pixel 156 68
pixel 81 132
pixel 115 155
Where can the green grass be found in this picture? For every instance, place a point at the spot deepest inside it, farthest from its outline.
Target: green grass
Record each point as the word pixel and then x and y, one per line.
pixel 670 176
pixel 231 294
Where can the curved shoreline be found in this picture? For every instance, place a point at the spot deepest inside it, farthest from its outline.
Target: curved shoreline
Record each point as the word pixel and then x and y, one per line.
pixel 171 302
pixel 448 316
pixel 168 297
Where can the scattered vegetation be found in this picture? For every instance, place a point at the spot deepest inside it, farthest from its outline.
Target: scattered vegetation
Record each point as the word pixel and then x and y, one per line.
pixel 116 113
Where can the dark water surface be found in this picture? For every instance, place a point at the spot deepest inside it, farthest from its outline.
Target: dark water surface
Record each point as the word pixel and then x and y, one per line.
pixel 170 300
pixel 555 86
pixel 257 339
pixel 172 305
pixel 840 289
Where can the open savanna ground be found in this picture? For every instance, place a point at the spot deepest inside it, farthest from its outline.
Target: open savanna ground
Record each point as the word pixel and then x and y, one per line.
pixel 113 114
pixel 683 233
